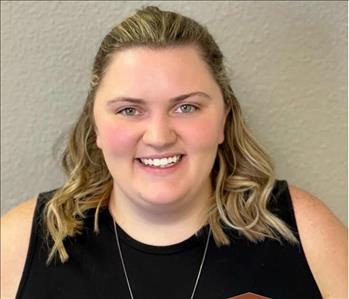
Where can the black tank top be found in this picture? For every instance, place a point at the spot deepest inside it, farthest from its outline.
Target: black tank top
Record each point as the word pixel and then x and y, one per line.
pixel 94 268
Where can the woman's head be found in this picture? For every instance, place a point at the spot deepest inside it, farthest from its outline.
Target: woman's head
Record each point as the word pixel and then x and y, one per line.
pixel 182 57
pixel 157 32
pixel 159 103
pixel 153 31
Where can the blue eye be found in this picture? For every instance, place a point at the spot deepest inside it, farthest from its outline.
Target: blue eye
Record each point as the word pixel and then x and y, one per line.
pixel 128 111
pixel 132 111
pixel 187 108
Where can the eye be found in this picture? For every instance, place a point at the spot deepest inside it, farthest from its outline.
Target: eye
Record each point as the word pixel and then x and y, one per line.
pixel 128 111
pixel 187 108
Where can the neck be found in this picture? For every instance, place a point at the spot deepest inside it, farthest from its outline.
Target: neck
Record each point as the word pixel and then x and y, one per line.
pixel 160 225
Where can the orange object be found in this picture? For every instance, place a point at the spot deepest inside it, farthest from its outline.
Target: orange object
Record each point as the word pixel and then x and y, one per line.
pixel 249 295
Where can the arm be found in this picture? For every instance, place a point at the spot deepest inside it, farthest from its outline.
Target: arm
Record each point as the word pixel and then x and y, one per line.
pixel 324 240
pixel 15 233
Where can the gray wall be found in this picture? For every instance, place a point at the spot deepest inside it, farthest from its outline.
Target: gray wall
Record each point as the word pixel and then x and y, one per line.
pixel 289 71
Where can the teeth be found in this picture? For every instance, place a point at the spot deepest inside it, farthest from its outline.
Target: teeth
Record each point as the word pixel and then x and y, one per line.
pixel 161 162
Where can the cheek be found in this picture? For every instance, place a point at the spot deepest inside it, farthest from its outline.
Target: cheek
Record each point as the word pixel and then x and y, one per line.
pixel 203 133
pixel 115 139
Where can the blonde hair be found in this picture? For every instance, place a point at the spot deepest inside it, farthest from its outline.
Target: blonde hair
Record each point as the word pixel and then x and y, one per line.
pixel 242 176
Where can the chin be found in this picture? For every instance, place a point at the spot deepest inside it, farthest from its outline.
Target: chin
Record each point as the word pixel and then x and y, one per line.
pixel 160 198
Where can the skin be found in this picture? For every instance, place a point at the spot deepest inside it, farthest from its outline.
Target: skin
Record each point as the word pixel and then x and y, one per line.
pixel 171 207
pixel 159 208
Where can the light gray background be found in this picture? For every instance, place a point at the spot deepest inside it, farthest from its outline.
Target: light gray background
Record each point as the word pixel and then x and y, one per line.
pixel 289 72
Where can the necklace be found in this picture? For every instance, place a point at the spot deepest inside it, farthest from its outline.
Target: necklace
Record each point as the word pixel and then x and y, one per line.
pixel 124 268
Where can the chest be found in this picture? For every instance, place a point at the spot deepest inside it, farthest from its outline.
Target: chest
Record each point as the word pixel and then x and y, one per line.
pixel 95 271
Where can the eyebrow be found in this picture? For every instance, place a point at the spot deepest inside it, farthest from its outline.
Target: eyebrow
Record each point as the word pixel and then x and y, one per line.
pixel 173 100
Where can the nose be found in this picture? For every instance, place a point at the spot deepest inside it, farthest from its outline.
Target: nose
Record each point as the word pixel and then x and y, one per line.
pixel 159 132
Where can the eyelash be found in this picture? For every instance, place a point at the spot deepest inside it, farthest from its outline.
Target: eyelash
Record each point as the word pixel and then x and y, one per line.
pixel 124 109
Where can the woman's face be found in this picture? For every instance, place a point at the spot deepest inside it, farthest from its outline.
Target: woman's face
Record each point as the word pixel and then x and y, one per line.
pixel 160 103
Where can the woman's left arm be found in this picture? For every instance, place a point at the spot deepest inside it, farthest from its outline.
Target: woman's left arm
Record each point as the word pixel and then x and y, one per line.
pixel 325 243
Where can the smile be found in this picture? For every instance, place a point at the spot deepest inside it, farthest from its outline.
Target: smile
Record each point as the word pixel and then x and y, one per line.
pixel 161 163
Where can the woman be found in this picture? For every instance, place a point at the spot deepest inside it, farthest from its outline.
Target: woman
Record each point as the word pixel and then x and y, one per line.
pixel 167 194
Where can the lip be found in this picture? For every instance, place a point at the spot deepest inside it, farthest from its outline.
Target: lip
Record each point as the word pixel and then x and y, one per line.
pixel 160 156
pixel 162 171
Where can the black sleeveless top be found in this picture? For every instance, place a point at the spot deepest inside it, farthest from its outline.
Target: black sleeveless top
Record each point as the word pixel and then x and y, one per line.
pixel 94 268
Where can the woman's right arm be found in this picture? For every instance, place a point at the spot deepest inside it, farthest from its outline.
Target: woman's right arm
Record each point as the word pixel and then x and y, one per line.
pixel 16 227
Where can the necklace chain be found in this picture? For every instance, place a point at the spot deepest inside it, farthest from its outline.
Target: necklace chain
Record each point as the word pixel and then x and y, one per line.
pixel 125 272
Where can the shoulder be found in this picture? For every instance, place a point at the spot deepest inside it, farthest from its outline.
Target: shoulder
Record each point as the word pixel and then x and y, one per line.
pixel 15 234
pixel 324 241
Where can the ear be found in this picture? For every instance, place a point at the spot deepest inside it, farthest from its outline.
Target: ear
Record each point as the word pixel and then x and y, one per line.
pixel 98 138
pixel 222 125
pixel 98 142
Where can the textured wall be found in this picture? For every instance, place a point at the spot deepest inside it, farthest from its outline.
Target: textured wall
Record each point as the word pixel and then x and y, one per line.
pixel 289 71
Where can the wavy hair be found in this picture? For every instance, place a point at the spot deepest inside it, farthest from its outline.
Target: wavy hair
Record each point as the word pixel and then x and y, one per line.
pixel 242 176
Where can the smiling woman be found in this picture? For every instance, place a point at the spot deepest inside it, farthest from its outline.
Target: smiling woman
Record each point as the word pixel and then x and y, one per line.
pixel 157 128
pixel 168 195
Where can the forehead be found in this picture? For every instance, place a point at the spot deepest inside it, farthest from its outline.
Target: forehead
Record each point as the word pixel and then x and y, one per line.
pixel 145 56
pixel 140 66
